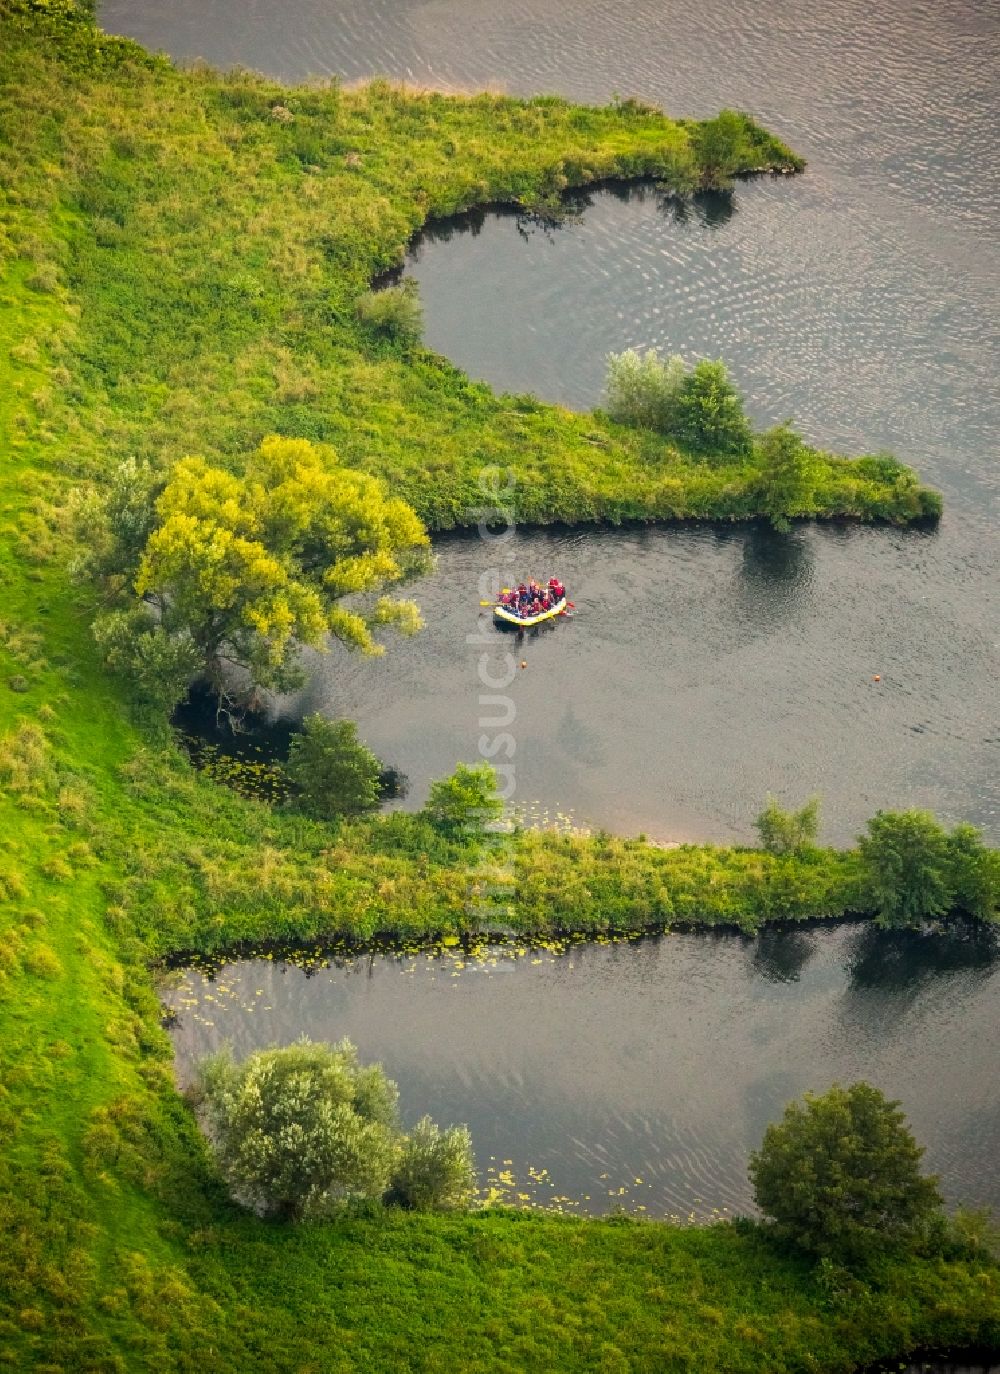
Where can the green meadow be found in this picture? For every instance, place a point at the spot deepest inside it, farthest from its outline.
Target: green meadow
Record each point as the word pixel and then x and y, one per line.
pixel 180 257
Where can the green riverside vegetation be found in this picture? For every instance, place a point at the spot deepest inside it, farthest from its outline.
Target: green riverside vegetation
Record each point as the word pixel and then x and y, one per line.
pixel 182 257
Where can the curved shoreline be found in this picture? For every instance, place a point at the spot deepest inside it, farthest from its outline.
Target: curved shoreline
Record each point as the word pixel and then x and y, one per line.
pixel 177 272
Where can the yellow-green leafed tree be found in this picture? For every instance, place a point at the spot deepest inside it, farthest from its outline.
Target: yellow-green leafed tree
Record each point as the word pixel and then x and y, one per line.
pixel 240 570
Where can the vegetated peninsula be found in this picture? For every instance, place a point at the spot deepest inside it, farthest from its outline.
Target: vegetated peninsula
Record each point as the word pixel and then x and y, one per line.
pixel 182 256
pixel 203 242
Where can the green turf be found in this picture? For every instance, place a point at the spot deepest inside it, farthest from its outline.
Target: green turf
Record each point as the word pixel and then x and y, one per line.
pixel 178 268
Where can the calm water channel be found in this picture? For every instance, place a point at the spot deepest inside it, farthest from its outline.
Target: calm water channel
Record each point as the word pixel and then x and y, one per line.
pixel 641 1075
pixel 706 668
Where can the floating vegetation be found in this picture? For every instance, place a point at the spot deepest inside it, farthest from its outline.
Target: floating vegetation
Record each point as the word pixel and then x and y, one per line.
pixel 242 767
pixel 482 952
pixel 534 816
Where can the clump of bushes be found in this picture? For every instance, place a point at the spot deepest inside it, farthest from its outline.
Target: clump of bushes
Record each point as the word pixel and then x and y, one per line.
pixel 780 475
pixel 642 389
pixel 302 1132
pixel 790 473
pixel 467 801
pixel 334 772
pixel 722 148
pixel 710 417
pixel 393 313
pixel 433 1169
pixel 700 409
pixel 788 832
pixel 916 871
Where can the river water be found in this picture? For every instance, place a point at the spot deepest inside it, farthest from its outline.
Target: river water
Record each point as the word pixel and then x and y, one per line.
pixel 572 1099
pixel 706 668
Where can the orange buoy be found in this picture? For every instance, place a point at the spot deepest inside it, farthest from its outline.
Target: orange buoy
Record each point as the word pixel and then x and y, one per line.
pixel 524 663
pixel 877 677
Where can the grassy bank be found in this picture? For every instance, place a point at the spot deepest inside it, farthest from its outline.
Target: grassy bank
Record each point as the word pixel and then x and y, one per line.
pixel 178 266
pixel 211 235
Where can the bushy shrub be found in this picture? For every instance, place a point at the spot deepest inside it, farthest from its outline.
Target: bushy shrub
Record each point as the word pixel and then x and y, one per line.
pixel 915 871
pixel 709 411
pixel 158 665
pixel 113 523
pixel 840 1176
pixel 679 171
pixel 299 1131
pixel 302 1131
pixel 721 148
pixel 393 313
pixel 788 832
pixel 434 1171
pixel 642 389
pixel 702 410
pixel 883 467
pixel 790 472
pixel 467 800
pixel 335 774
pixel 975 873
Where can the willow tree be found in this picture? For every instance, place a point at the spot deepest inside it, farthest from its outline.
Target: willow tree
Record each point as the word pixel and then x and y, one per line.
pixel 240 570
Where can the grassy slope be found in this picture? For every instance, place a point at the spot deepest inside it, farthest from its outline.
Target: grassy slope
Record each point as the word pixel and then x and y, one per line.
pixel 119 1252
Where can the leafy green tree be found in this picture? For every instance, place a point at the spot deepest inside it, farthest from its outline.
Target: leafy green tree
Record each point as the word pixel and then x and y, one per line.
pixel 788 832
pixel 434 1171
pixel 394 312
pixel 975 873
pixel 840 1176
pixel 789 474
pixel 336 775
pixel 159 665
pixel 908 868
pixel 467 800
pixel 709 412
pixel 247 568
pixel 720 147
pixel 300 1131
pixel 642 390
pixel 112 524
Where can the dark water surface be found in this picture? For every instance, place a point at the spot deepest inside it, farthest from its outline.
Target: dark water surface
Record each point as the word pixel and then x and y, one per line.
pixel 703 669
pixel 654 1107
pixel 862 299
